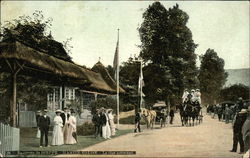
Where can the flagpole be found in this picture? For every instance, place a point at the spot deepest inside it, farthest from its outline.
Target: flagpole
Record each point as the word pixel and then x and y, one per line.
pixel 141 85
pixel 117 86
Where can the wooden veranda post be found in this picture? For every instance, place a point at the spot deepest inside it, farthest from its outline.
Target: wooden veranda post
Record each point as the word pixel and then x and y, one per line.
pixel 15 67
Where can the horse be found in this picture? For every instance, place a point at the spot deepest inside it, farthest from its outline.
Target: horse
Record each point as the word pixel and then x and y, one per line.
pixel 183 114
pixel 149 116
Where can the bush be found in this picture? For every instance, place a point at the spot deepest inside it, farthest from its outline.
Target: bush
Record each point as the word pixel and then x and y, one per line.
pixel 127 107
pixel 86 129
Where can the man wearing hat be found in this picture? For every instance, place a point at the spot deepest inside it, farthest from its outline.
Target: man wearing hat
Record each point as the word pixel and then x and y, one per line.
pixel 237 127
pixel 246 132
pixel 240 104
pixel 96 121
pixel 44 122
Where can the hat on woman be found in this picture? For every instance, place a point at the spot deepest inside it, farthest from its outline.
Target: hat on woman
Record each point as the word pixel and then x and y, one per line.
pixel 58 111
pixel 109 110
pixel 243 111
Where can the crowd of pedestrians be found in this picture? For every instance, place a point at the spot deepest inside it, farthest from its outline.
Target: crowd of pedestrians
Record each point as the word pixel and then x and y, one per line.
pixel 239 115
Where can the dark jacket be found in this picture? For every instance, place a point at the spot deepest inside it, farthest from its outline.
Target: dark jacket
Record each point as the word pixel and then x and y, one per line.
pixel 137 117
pixel 103 119
pixel 96 119
pixel 63 116
pixel 239 121
pixel 171 113
pixel 44 123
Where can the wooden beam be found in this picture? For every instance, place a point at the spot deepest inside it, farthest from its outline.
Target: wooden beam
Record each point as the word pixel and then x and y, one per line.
pixel 8 63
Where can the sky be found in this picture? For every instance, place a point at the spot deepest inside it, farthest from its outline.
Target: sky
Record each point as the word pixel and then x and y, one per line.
pixel 219 25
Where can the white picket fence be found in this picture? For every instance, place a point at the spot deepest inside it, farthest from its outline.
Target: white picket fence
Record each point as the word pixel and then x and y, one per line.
pixel 9 138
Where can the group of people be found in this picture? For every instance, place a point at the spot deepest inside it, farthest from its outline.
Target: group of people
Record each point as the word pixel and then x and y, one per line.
pixel 103 120
pixel 239 114
pixel 194 95
pixel 64 130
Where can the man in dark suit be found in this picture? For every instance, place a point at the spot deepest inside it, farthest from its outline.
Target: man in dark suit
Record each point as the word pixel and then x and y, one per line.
pixel 97 122
pixel 44 122
pixel 64 115
pixel 237 128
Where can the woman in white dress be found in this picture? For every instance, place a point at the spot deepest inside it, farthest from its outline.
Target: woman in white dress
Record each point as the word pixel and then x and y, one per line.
pixel 106 133
pixel 57 136
pixel 71 128
pixel 111 121
pixel 185 94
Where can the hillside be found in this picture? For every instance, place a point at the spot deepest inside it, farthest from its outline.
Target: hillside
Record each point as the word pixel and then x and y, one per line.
pixel 238 76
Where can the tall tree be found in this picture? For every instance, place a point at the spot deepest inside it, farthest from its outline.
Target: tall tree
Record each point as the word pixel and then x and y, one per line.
pixel 235 91
pixel 212 76
pixel 167 49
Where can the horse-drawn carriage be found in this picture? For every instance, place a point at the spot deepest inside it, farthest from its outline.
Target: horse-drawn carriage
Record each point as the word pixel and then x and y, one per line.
pixel 161 113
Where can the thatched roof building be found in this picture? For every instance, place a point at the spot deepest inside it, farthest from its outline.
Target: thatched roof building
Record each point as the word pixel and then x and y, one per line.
pixel 41 64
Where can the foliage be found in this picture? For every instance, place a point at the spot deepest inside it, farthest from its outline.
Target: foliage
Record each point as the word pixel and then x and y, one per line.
pixel 168 51
pixel 233 92
pixel 33 92
pixel 107 103
pixel 33 31
pixel 86 129
pixel 110 70
pixel 212 76
pixel 4 97
pixel 129 72
pixel 129 76
pixel 127 107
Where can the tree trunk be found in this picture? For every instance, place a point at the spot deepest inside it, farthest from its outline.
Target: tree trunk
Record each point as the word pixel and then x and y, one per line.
pixel 13 101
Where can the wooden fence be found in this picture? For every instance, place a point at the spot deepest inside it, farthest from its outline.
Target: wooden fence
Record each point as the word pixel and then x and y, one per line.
pixel 27 119
pixel 9 138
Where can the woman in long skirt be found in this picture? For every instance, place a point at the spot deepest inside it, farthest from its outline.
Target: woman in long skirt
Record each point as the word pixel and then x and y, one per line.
pixel 111 121
pixel 71 129
pixel 57 136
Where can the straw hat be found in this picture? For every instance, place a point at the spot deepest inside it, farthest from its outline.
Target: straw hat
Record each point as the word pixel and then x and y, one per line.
pixel 108 110
pixel 192 90
pixel 243 111
pixel 58 111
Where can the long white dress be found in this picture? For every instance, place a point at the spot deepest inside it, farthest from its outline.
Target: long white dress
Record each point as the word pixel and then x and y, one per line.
pixel 57 136
pixel 106 132
pixel 184 96
pixel 112 124
pixel 71 127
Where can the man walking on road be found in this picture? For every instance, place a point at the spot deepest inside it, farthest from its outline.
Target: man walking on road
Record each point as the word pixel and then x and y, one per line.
pixel 137 121
pixel 237 127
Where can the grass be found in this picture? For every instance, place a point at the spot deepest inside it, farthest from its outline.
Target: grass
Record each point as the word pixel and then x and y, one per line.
pixel 29 142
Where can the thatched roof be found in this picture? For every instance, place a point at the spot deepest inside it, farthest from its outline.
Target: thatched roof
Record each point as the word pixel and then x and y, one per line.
pixel 100 68
pixel 40 61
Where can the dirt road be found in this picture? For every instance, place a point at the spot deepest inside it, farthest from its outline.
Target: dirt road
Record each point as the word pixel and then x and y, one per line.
pixel 209 139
